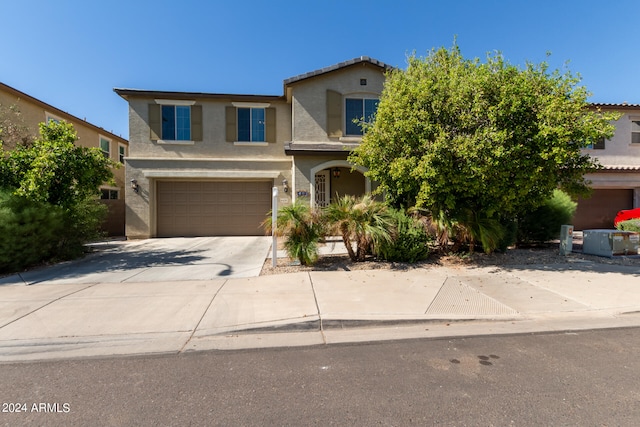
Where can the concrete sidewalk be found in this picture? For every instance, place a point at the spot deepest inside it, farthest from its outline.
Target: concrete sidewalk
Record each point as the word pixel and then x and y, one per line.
pixel 62 320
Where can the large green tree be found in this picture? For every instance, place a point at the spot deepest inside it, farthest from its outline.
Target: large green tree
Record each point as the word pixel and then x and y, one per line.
pixel 53 169
pixel 476 142
pixel 48 197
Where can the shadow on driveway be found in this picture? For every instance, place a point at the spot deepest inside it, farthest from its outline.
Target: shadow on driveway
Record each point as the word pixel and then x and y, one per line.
pixel 198 258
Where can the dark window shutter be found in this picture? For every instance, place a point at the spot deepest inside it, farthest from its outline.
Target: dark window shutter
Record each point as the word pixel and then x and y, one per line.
pixel 231 124
pixel 270 117
pixel 155 122
pixel 334 114
pixel 196 122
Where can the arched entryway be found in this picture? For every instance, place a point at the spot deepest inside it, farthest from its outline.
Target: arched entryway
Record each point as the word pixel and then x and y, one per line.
pixel 335 179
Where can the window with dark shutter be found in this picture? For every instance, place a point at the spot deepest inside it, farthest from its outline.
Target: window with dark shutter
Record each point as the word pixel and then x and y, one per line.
pixel 334 114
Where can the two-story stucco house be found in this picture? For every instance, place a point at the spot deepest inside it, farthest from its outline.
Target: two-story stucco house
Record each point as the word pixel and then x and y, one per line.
pixel 203 164
pixel 34 111
pixel 617 185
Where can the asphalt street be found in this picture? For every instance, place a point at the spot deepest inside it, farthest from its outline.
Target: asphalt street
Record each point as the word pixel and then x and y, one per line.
pixel 585 378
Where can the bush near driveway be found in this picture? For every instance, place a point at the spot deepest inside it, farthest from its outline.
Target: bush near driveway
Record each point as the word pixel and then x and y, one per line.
pixel 29 232
pixel 50 205
pixel 302 228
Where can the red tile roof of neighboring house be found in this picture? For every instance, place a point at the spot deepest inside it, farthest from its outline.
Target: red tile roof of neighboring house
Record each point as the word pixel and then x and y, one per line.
pixel 623 105
pixel 621 168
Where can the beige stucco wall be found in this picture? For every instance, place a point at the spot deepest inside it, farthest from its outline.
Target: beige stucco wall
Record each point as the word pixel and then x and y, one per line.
pixel 309 99
pixel 214 144
pixel 213 158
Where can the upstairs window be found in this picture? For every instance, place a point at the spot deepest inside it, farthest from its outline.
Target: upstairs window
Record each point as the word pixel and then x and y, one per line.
pixel 357 110
pixel 599 145
pixel 248 123
pixel 121 153
pixel 176 122
pixel 105 146
pixel 635 132
pixel 251 125
pixel 51 118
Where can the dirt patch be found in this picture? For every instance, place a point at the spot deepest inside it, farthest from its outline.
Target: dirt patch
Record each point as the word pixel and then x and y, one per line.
pixel 546 255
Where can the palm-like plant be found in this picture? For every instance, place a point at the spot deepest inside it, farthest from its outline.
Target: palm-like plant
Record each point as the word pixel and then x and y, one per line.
pixel 302 228
pixel 470 228
pixel 364 221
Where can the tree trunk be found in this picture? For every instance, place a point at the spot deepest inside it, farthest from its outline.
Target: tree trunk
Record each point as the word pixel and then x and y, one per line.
pixel 347 243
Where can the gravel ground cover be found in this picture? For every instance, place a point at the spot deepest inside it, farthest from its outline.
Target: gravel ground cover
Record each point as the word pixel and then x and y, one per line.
pixel 546 254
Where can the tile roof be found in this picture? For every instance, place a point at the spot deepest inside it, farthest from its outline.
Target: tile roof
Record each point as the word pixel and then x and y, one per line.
pixel 614 105
pixel 621 168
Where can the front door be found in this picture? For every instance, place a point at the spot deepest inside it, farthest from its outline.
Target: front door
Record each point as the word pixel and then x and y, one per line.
pixel 323 190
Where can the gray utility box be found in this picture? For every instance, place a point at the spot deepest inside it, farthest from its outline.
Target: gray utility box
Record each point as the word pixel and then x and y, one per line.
pixel 610 242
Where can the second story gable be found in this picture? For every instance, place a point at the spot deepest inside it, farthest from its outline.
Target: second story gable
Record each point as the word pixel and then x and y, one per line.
pixel 328 103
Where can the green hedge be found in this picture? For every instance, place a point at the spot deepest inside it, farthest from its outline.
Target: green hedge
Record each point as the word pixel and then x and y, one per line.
pixel 544 223
pixel 33 233
pixel 29 232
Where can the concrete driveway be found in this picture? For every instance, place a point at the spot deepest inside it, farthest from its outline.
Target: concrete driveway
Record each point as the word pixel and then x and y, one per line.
pixel 155 260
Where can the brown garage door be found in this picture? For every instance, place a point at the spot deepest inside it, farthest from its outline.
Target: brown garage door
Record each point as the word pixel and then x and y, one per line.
pixel 212 208
pixel 600 209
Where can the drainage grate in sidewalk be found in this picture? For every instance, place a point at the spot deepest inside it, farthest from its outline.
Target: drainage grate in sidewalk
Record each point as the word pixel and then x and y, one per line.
pixel 457 298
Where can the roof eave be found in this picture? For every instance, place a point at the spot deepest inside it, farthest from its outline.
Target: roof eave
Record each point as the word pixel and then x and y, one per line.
pixel 140 93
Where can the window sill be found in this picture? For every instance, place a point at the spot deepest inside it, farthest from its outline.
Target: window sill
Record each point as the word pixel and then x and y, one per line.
pixel 250 144
pixel 170 142
pixel 349 138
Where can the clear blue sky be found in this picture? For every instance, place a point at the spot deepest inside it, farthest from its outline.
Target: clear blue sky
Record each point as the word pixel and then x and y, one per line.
pixel 72 53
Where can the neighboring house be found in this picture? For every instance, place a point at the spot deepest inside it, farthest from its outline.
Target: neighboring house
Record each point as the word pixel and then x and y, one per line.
pixel 617 185
pixel 33 111
pixel 204 164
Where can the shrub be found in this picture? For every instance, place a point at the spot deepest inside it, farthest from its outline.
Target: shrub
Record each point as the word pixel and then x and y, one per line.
pixel 468 228
pixel 302 228
pixel 29 232
pixel 630 225
pixel 83 222
pixel 544 223
pixel 409 239
pixel 510 234
pixel 362 220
